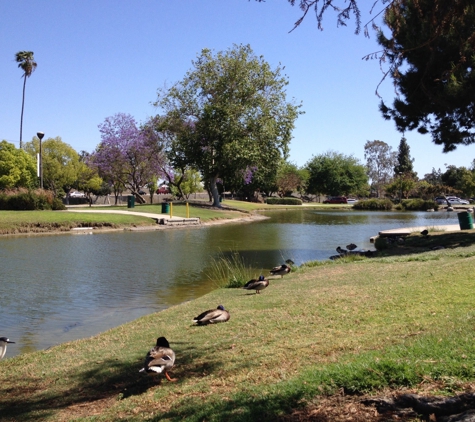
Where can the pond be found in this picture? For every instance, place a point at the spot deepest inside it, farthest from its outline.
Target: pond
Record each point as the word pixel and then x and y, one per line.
pixel 55 289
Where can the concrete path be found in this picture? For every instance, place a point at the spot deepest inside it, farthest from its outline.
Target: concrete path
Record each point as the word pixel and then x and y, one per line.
pixel 408 230
pixel 159 218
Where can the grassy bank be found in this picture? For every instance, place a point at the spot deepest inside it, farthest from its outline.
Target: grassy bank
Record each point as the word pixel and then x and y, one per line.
pixel 21 222
pixel 382 324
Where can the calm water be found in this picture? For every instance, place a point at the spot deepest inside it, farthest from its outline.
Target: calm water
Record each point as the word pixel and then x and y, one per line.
pixel 59 288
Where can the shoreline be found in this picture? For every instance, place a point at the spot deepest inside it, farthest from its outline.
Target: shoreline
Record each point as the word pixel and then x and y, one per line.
pixel 153 227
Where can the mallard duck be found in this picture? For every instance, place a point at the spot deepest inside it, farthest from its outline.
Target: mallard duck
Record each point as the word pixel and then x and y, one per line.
pixel 212 316
pixel 341 251
pixel 3 346
pixel 281 270
pixel 160 359
pixel 260 284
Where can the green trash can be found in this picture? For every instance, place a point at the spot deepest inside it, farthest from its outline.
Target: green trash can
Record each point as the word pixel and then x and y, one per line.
pixel 165 207
pixel 130 201
pixel 465 220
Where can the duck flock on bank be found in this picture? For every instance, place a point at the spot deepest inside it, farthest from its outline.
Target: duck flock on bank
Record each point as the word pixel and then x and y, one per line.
pixel 161 358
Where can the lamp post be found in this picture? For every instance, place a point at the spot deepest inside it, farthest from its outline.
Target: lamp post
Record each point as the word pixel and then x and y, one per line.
pixel 40 137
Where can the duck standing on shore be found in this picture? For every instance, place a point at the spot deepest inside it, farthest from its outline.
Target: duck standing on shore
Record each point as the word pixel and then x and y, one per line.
pixel 160 359
pixel 260 284
pixel 212 316
pixel 3 346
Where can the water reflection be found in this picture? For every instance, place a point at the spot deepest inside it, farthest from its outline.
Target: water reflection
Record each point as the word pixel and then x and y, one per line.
pixel 59 288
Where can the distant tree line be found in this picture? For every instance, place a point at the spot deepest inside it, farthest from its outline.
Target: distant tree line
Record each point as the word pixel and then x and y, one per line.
pixel 225 127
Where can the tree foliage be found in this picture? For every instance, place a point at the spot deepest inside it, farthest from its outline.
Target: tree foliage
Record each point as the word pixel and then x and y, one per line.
pixel 380 160
pixel 404 163
pixel 335 174
pixel 431 56
pixel 17 168
pixel 191 183
pixel 60 163
pixel 127 156
pixel 228 117
pixel 428 51
pixel 460 179
pixel 291 179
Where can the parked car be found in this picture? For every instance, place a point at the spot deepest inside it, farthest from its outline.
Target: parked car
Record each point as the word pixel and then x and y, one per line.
pixel 441 200
pixel 76 194
pixel 163 190
pixel 351 201
pixel 458 201
pixel 142 192
pixel 336 200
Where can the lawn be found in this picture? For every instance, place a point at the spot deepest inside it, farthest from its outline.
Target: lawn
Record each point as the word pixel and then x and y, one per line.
pixel 20 222
pixel 336 331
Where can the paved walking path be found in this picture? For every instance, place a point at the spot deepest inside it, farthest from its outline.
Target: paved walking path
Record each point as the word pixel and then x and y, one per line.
pixel 159 218
pixel 408 230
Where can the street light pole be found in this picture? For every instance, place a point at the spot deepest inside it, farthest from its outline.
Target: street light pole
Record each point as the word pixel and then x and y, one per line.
pixel 40 137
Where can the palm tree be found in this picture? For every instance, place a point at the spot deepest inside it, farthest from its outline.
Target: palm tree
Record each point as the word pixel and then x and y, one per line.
pixel 27 63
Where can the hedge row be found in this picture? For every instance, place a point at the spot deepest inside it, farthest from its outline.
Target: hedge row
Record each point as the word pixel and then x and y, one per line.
pixel 374 205
pixel 418 204
pixel 24 200
pixel 283 201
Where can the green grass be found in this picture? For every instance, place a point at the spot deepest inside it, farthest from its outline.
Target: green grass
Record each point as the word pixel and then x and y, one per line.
pixel 356 327
pixel 15 222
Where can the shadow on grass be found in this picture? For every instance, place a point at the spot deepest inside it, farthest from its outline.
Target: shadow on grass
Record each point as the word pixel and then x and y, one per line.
pixel 417 243
pixel 239 408
pixel 91 386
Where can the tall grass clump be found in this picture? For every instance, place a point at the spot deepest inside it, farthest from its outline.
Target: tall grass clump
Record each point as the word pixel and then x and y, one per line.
pixel 230 270
pixel 374 205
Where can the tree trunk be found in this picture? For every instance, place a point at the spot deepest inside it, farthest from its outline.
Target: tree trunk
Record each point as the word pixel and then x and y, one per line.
pixel 214 191
pixel 22 108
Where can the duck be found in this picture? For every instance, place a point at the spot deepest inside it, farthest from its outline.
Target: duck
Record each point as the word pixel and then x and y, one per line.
pixel 212 316
pixel 281 269
pixel 351 247
pixel 3 346
pixel 160 359
pixel 341 251
pixel 260 284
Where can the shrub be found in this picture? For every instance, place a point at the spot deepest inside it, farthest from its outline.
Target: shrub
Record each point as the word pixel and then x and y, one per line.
pixel 419 204
pixel 374 205
pixel 283 201
pixel 29 200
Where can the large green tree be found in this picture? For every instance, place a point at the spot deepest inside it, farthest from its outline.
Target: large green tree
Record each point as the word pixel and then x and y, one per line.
pixel 229 116
pixel 380 160
pixel 461 179
pixel 333 173
pixel 404 163
pixel 290 178
pixel 26 62
pixel 431 53
pixel 61 164
pixel 17 168
pixel 428 50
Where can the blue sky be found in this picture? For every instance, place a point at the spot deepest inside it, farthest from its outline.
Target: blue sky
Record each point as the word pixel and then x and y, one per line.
pixel 101 57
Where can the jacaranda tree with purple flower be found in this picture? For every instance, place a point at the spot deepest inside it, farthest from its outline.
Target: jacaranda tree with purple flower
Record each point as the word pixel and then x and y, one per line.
pixel 229 116
pixel 126 156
